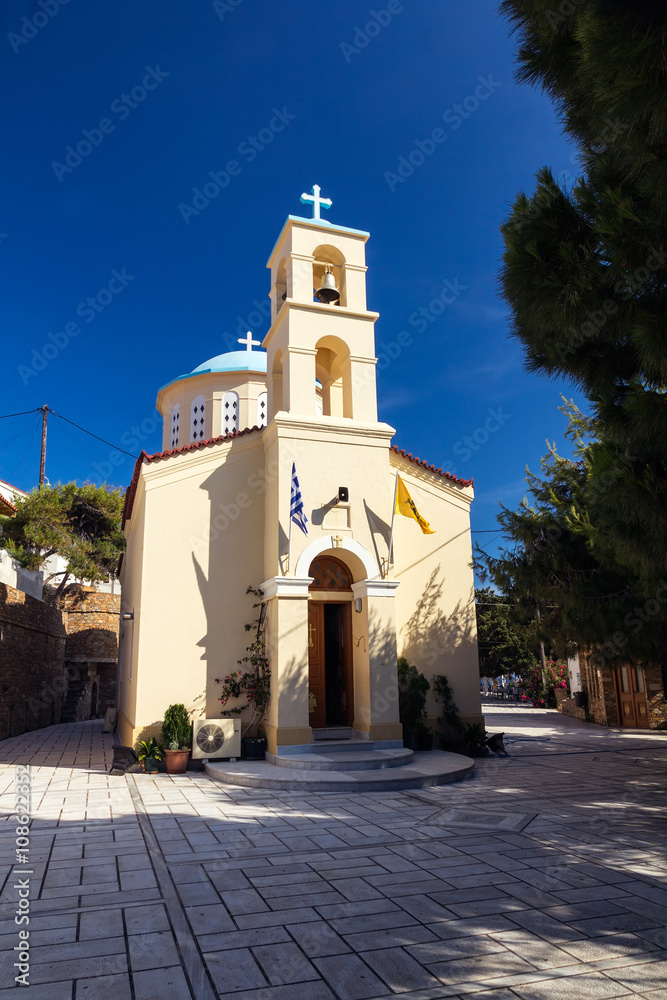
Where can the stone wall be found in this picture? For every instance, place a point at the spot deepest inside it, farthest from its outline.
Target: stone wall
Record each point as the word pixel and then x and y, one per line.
pixel 655 680
pixel 32 654
pixel 569 707
pixel 598 682
pixel 91 620
pixel 47 653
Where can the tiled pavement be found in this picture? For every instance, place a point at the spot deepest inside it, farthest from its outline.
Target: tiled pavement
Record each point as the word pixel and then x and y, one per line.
pixel 544 877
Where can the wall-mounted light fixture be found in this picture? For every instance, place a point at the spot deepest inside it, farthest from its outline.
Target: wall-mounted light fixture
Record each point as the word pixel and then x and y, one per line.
pixel 343 494
pixel 358 605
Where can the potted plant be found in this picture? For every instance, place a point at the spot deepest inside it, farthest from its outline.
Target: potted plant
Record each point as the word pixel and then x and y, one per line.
pixel 474 740
pixel 412 690
pixel 176 738
pixel 451 727
pixel 252 681
pixel 149 752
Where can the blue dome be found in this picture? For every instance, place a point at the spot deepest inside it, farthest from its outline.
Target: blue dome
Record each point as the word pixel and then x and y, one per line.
pixel 233 361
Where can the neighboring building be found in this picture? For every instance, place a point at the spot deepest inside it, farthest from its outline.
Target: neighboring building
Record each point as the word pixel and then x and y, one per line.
pixel 620 694
pixel 56 664
pixel 210 515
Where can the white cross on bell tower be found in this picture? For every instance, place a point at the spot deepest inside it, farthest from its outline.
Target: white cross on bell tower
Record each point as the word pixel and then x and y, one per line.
pixel 316 201
pixel 248 341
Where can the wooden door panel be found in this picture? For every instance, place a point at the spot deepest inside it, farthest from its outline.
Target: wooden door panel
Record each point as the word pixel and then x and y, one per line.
pixel 316 687
pixel 348 677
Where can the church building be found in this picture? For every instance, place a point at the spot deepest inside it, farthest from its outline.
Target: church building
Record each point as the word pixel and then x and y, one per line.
pixel 209 516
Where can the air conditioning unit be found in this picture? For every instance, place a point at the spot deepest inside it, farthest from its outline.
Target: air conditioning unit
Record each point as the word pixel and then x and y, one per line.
pixel 216 738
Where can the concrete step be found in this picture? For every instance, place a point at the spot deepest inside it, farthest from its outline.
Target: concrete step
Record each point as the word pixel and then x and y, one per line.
pixel 353 746
pixel 434 768
pixel 320 759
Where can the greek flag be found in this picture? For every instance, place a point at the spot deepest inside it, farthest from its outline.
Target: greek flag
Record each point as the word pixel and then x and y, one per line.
pixel 296 511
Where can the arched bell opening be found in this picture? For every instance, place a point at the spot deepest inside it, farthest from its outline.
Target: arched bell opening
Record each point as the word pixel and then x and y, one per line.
pixel 274 385
pixel 280 290
pixel 330 646
pixel 329 285
pixel 332 369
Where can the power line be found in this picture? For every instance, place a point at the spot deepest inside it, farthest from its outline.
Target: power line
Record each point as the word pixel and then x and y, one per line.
pixel 90 433
pixel 5 416
pixel 22 431
pixel 38 409
pixel 27 448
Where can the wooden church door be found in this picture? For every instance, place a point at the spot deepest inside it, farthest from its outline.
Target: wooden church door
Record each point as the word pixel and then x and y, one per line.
pixel 330 681
pixel 316 676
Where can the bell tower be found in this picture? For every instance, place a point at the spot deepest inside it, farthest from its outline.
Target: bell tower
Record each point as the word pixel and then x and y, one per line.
pixel 321 346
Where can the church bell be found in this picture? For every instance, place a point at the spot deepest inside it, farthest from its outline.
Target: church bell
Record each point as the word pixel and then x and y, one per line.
pixel 328 292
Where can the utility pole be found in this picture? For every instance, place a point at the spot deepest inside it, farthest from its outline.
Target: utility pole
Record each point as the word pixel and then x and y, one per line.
pixel 543 661
pixel 42 461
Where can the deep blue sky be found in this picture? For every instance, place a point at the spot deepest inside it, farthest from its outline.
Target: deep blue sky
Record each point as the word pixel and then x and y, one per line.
pixel 355 114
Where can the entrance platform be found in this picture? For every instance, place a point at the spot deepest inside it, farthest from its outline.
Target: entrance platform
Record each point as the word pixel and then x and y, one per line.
pixel 345 766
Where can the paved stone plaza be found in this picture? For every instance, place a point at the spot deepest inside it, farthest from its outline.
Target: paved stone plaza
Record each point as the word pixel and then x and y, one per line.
pixel 543 877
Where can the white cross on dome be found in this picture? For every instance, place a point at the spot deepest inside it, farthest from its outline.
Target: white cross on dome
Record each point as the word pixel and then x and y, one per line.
pixel 248 341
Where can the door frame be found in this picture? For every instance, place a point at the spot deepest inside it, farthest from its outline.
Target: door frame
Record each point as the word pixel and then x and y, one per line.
pixel 633 698
pixel 314 606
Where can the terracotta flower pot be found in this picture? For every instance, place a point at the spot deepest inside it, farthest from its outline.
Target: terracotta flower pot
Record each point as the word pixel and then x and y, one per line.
pixel 176 761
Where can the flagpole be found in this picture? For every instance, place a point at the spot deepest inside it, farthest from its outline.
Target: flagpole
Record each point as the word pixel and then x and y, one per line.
pixel 391 533
pixel 289 543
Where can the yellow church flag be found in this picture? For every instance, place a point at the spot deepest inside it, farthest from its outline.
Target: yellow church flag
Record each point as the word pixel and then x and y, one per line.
pixel 405 505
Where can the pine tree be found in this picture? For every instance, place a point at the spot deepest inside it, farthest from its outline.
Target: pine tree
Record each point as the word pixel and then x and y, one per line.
pixel 82 524
pixel 585 268
pixel 503 639
pixel 557 562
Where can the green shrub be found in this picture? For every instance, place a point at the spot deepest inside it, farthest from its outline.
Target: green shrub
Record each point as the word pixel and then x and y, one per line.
pixel 451 727
pixel 177 728
pixel 412 690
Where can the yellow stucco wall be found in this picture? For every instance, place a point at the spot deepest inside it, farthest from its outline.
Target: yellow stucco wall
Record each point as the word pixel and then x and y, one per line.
pixel 202 546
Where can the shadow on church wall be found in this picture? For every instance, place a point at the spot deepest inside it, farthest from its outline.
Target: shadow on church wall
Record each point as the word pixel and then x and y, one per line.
pixel 235 561
pixel 439 643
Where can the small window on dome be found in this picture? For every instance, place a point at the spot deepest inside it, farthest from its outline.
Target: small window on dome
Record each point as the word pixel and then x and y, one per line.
pixel 230 412
pixel 198 419
pixel 175 424
pixel 261 409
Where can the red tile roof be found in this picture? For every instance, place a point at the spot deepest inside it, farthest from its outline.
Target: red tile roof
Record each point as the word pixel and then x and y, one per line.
pixel 6 507
pixel 195 446
pixel 432 468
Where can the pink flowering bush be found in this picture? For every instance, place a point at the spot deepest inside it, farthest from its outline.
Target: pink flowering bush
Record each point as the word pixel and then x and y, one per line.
pixel 253 681
pixel 533 685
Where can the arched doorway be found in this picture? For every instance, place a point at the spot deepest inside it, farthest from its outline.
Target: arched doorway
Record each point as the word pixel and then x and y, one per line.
pixel 330 670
